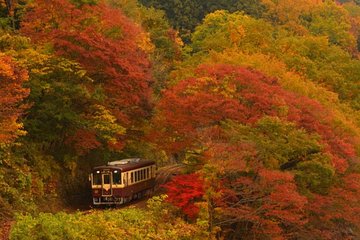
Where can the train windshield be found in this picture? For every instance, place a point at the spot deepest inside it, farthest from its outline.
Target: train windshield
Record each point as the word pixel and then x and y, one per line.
pixel 106 179
pixel 116 177
pixel 97 178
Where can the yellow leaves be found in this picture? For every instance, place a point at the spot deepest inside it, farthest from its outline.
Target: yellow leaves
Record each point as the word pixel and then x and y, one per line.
pixel 144 42
pixel 274 67
pixel 237 32
pixel 25 56
pixel 9 130
pixel 192 89
pixel 222 30
pixel 178 41
pixel 105 123
pixel 226 88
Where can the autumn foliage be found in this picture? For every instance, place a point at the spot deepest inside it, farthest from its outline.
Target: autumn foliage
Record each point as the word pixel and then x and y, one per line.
pixel 223 92
pixel 265 204
pixel 111 48
pixel 259 102
pixel 183 191
pixel 12 93
pixel 251 128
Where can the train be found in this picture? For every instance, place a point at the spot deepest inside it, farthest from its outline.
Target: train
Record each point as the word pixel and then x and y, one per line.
pixel 121 181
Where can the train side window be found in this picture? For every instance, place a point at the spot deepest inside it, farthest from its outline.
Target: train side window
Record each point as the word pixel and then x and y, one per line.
pixel 116 177
pixel 142 175
pixel 147 173
pixel 97 178
pixel 136 176
pixel 132 177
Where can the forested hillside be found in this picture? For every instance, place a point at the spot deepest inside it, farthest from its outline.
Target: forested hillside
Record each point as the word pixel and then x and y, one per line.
pixel 258 100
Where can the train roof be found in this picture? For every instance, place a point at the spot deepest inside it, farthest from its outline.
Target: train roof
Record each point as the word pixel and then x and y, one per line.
pixel 126 164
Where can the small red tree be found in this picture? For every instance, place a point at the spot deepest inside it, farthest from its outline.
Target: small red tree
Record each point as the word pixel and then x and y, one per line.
pixel 183 191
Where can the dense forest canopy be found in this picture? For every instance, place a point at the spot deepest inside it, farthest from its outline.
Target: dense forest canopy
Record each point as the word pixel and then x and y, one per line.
pixel 258 100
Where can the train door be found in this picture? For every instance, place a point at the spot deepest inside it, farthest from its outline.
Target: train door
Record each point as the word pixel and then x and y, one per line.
pixel 106 184
pixel 126 179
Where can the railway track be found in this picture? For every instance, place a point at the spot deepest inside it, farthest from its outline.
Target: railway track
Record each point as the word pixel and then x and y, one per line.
pixel 165 174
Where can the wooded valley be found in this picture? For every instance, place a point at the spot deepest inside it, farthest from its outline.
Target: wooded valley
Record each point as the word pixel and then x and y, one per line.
pixel 259 100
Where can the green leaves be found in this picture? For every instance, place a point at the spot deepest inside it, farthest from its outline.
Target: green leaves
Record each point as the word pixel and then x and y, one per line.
pixel 279 144
pixel 332 21
pixel 315 176
pixel 186 15
pixel 104 123
pixel 157 222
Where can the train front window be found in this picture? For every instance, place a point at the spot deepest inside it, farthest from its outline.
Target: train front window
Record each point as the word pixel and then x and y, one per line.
pixel 106 179
pixel 97 178
pixel 116 177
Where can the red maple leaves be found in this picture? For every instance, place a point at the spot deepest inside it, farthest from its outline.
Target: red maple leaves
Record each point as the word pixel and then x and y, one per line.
pixel 224 92
pixel 183 191
pixel 106 44
pixel 264 202
pixel 193 116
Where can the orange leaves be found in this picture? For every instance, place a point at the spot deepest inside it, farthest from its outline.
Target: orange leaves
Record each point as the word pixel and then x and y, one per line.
pixel 11 95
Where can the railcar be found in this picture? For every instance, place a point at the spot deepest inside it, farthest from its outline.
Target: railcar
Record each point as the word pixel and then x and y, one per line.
pixel 121 181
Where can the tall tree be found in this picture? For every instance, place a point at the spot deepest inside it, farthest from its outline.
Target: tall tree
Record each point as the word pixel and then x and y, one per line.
pixel 112 49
